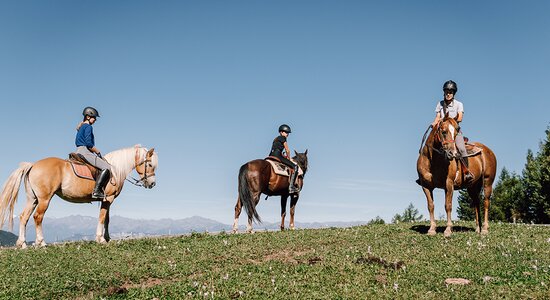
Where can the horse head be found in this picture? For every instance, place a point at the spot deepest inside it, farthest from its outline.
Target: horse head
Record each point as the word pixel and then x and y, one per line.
pixel 146 162
pixel 446 133
pixel 301 159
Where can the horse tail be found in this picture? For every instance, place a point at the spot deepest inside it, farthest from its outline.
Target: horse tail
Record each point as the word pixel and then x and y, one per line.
pixel 10 190
pixel 245 195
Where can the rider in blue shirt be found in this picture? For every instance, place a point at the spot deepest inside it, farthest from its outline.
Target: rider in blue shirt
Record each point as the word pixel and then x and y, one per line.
pixel 85 145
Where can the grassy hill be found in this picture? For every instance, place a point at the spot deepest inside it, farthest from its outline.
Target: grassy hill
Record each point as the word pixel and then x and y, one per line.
pixel 365 262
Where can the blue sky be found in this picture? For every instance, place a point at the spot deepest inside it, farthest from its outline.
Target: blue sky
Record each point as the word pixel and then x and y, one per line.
pixel 207 83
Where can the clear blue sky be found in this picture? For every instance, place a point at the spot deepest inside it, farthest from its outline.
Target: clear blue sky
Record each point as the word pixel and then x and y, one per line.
pixel 207 83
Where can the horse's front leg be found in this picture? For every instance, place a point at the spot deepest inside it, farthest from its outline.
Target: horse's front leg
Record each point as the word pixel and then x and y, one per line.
pixel 293 201
pixel 101 230
pixel 449 207
pixel 430 199
pixel 284 199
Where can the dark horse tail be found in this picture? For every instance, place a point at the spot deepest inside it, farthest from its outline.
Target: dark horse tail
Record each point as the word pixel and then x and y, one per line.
pixel 245 195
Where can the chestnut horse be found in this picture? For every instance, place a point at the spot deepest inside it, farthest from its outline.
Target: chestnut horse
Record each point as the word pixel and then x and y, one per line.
pixel 55 176
pixel 257 177
pixel 437 167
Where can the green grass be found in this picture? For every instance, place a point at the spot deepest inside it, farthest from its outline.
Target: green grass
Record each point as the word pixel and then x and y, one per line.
pixel 367 262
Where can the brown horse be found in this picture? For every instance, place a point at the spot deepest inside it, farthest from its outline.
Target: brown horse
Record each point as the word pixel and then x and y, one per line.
pixel 54 176
pixel 257 177
pixel 438 167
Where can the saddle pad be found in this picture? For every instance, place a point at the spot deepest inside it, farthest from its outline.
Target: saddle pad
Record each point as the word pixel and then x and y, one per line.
pixel 82 171
pixel 282 169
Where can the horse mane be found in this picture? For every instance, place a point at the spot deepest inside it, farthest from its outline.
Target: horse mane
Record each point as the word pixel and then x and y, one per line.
pixel 301 159
pixel 123 161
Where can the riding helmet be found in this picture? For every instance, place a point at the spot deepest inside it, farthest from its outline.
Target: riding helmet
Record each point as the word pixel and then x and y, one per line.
pixel 284 128
pixel 450 85
pixel 91 112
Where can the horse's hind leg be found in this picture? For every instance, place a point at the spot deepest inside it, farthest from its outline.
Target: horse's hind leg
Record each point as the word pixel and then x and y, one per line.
pixel 488 190
pixel 238 208
pixel 474 195
pixel 430 199
pixel 43 204
pixel 284 200
pixel 25 215
pixel 255 200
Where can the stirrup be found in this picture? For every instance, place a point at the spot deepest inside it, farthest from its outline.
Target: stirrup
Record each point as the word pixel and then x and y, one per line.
pixel 98 195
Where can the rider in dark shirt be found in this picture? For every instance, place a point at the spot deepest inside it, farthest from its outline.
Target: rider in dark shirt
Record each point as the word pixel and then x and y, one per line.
pixel 279 144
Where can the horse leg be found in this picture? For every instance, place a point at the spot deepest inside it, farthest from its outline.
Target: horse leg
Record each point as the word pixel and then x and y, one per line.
pixel 255 200
pixel 284 199
pixel 293 201
pixel 106 235
pixel 474 195
pixel 449 207
pixel 238 208
pixel 430 198
pixel 39 217
pixel 103 215
pixel 487 191
pixel 32 202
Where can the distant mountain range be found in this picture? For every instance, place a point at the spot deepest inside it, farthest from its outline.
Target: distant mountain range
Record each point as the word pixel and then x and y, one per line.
pixel 75 228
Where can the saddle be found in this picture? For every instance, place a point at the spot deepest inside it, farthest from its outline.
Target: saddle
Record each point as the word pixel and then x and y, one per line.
pixel 281 169
pixel 472 149
pixel 82 168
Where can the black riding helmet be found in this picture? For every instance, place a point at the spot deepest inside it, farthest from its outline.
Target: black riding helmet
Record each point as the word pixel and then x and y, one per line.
pixel 451 86
pixel 91 112
pixel 284 128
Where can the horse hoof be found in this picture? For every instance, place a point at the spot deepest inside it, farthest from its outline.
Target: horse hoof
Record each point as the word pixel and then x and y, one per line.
pixel 282 229
pixel 431 232
pixel 39 244
pixel 292 228
pixel 484 232
pixel 447 233
pixel 477 230
pixel 21 244
pixel 101 240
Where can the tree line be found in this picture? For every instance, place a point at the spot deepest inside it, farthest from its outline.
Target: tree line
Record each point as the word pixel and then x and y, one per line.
pixel 521 197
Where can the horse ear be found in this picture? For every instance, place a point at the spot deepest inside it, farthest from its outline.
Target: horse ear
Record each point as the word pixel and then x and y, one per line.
pixel 150 152
pixel 305 152
pixel 295 152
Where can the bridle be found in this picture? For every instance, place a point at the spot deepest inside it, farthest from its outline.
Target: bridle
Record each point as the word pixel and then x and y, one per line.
pixel 438 137
pixel 145 176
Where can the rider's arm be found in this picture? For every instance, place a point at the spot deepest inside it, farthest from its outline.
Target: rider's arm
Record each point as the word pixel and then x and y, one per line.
pixel 286 150
pixel 459 116
pixel 436 120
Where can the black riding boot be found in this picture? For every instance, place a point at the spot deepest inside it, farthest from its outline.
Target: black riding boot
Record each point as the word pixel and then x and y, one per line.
pixel 292 185
pixel 102 179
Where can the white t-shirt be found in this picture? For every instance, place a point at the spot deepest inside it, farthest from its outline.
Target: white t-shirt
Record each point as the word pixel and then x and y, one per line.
pixel 453 108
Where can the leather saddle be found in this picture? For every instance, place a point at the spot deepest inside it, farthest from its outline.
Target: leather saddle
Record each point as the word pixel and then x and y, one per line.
pixel 82 168
pixel 279 168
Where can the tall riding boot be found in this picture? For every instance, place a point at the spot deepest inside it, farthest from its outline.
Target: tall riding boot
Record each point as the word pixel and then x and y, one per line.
pixel 468 175
pixel 102 180
pixel 292 184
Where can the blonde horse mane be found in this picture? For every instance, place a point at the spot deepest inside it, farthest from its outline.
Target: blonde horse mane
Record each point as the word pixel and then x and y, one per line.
pixel 123 161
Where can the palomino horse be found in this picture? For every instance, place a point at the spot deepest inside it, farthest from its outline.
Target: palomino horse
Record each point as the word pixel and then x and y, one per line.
pixel 257 177
pixel 53 175
pixel 437 167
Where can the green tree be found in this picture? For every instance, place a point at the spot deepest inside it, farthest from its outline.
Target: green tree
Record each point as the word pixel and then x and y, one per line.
pixel 411 214
pixel 465 210
pixel 531 189
pixel 376 220
pixel 504 200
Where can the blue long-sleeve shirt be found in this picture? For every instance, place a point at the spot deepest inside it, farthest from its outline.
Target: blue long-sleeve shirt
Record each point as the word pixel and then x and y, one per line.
pixel 85 136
